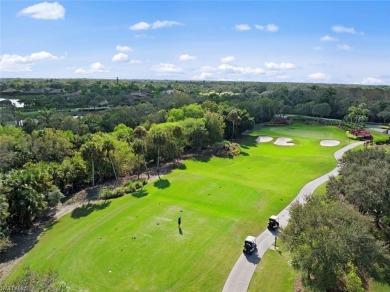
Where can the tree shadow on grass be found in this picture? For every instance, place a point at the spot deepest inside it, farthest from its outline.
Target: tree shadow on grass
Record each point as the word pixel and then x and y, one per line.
pixel 162 184
pixel 140 193
pixel 248 143
pixel 244 153
pixel 202 158
pixel 87 209
pixel 182 166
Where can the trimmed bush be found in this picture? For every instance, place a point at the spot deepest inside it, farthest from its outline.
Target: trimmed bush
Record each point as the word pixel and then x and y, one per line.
pixel 350 136
pixel 361 133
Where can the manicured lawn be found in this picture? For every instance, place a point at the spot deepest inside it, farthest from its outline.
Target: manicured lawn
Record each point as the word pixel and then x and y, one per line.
pixel 133 242
pixel 274 272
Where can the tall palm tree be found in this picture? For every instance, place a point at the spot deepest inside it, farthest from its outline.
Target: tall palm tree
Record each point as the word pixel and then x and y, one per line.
pixel 141 133
pixel 177 134
pixel 138 148
pixel 159 139
pixel 234 118
pixel 108 146
pixel 90 151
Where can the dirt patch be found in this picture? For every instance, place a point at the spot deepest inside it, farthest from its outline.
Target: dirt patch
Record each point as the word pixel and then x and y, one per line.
pixel 264 139
pixel 329 143
pixel 282 141
pixel 298 284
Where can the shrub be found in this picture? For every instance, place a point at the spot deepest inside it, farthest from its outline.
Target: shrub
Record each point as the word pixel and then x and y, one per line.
pixel 119 192
pixel 350 136
pixel 106 193
pixel 380 138
pixel 279 122
pixel 130 188
pixel 361 133
pixel 138 184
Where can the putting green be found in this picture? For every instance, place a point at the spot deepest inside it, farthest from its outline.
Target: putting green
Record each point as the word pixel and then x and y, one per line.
pixel 134 243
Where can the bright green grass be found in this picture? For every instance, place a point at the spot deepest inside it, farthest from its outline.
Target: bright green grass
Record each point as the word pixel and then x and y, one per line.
pixel 276 266
pixel 222 201
pixel 379 287
pixel 274 272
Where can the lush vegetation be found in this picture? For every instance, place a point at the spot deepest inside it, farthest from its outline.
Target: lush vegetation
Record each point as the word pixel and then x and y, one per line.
pixel 343 253
pixel 72 134
pixel 108 102
pixel 136 236
pixel 41 167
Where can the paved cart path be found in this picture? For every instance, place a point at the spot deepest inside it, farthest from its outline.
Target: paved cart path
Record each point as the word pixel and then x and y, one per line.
pixel 242 272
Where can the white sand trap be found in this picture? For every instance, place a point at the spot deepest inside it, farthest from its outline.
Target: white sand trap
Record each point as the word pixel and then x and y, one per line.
pixel 329 143
pixel 282 141
pixel 264 139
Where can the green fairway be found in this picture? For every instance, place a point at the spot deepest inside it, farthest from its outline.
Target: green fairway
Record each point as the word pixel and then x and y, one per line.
pixel 134 243
pixel 274 272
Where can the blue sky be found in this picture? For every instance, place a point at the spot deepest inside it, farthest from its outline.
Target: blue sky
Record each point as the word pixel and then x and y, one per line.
pixel 280 41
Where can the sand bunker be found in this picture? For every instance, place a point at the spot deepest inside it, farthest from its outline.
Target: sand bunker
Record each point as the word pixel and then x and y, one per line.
pixel 329 143
pixel 282 141
pixel 263 139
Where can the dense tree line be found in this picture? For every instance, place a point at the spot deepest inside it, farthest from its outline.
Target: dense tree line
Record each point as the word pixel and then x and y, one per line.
pixel 340 240
pixel 144 99
pixel 42 162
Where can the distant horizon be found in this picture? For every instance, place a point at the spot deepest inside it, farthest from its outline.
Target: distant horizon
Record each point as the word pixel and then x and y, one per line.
pixel 194 81
pixel 319 42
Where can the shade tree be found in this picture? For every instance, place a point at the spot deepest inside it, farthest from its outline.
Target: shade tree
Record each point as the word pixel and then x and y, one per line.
pixel 332 247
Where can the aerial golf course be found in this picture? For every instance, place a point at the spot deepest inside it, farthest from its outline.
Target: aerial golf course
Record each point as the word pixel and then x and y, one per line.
pixel 134 242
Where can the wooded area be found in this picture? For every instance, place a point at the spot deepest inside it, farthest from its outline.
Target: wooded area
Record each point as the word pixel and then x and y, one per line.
pixel 71 134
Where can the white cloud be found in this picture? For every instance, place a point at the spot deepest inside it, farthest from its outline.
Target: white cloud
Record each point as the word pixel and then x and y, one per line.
pixel 260 27
pixel 97 68
pixel 93 68
pixel 123 49
pixel 317 76
pixel 208 69
pixel 318 48
pixel 155 25
pixel 164 68
pixel 344 48
pixel 186 57
pixel 44 10
pixel 17 63
pixel 203 76
pixel 242 27
pixel 343 29
pixel 135 61
pixel 240 70
pixel 269 27
pixel 226 71
pixel 14 63
pixel 80 71
pixel 120 57
pixel 328 38
pixel 272 27
pixel 164 23
pixel 140 26
pixel 280 66
pixel 320 64
pixel 42 55
pixel 371 81
pixel 227 59
pixel 284 77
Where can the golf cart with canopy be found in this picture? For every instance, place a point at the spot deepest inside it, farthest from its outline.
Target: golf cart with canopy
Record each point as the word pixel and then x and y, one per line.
pixel 273 222
pixel 250 244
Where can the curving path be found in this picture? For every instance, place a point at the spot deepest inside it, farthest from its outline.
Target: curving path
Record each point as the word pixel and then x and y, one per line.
pixel 242 272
